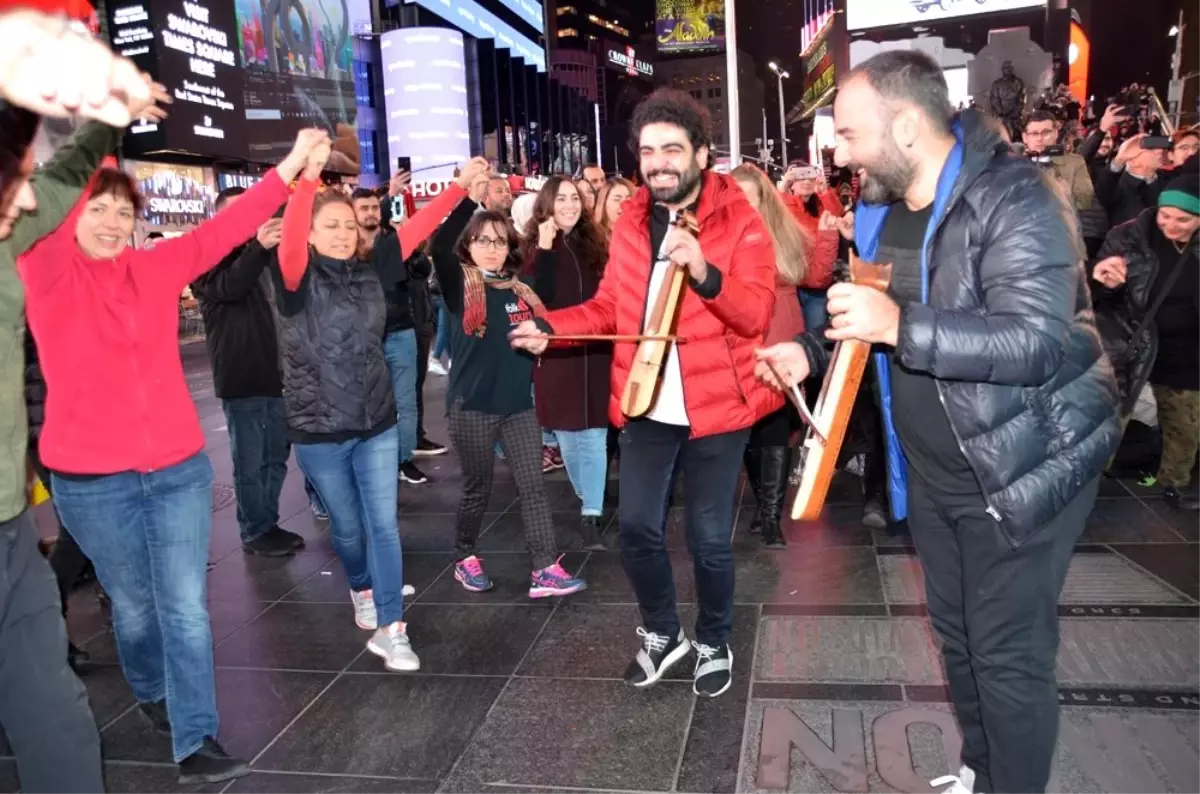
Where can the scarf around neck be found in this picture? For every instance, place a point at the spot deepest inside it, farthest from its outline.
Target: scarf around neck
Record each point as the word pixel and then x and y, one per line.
pixel 475 299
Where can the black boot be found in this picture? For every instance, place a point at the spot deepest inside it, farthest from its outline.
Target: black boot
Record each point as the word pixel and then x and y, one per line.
pixel 773 489
pixel 589 529
pixel 211 764
pixel 753 459
pixel 1179 501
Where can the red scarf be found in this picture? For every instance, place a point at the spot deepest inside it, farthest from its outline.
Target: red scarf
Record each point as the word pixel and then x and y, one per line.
pixel 475 299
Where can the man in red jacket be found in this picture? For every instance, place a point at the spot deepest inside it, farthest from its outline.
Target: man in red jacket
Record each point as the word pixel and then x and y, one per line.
pixel 707 399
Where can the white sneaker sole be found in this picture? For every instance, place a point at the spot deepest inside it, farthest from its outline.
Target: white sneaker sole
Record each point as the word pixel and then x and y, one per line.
pixel 404 666
pixel 671 659
pixel 550 592
pixel 372 626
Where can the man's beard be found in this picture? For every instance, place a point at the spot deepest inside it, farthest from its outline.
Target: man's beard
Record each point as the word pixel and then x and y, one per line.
pixel 687 182
pixel 887 179
pixel 370 226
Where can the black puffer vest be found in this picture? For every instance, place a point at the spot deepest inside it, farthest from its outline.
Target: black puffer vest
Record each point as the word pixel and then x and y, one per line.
pixel 335 378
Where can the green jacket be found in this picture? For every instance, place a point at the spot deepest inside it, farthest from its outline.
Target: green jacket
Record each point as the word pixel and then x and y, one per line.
pixel 57 186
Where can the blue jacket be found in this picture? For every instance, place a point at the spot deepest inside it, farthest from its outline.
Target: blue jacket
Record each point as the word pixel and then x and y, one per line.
pixel 1005 326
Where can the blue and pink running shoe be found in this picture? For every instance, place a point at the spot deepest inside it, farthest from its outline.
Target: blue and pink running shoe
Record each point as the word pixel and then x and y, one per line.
pixel 554 581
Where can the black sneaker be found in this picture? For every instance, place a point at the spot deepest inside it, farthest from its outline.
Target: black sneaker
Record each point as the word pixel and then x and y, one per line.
pixel 874 516
pixel 270 544
pixel 428 449
pixel 296 540
pixel 659 654
pixel 156 714
pixel 593 537
pixel 1179 501
pixel 714 670
pixel 77 658
pixel 211 764
pixel 409 473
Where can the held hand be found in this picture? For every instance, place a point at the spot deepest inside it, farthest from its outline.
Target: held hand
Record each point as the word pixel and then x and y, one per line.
pixel 863 313
pixel 547 231
pixel 399 183
pixel 527 336
pixel 684 250
pixel 317 159
pixel 1111 272
pixel 150 108
pixel 297 159
pixel 828 222
pixel 845 225
pixel 270 233
pixel 788 358
pixel 1113 115
pixel 475 167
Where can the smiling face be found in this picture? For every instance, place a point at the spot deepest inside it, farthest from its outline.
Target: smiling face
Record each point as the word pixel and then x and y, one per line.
pixel 334 231
pixel 1185 146
pixel 866 143
pixel 614 203
pixel 568 206
pixel 670 167
pixel 1177 225
pixel 105 225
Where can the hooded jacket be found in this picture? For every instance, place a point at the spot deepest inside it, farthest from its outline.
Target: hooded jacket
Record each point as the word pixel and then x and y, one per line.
pixel 1005 326
pixel 721 321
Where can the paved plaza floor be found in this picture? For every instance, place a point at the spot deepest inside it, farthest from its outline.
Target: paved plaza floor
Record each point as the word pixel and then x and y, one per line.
pixel 838 683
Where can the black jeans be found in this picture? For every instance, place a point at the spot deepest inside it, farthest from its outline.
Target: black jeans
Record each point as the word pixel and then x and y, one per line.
pixel 424 342
pixel 650 453
pixel 995 608
pixel 43 705
pixel 260 448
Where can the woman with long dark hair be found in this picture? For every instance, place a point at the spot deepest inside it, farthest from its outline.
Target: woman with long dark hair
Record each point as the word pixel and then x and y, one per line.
pixel 338 394
pixel 565 252
pixel 123 442
pixel 490 397
pixel 610 204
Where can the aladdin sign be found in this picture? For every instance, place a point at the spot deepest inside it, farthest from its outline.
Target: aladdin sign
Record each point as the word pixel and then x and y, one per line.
pixel 629 63
pixel 863 14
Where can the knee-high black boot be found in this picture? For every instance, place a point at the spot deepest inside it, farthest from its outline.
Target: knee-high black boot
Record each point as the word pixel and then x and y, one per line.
pixel 772 490
pixel 752 458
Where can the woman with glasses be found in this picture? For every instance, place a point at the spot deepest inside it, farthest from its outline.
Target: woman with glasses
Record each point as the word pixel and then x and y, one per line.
pixel 490 395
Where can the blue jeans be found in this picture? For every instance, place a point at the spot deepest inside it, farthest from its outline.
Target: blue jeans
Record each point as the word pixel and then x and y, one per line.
pixel 314 498
pixel 147 535
pixel 441 343
pixel 651 452
pixel 812 304
pixel 259 445
pixel 585 454
pixel 357 482
pixel 400 350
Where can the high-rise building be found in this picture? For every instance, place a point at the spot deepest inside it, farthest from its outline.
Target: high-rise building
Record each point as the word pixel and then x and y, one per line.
pixel 705 78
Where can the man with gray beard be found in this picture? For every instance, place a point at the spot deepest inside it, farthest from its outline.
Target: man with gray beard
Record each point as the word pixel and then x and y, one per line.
pixel 1002 400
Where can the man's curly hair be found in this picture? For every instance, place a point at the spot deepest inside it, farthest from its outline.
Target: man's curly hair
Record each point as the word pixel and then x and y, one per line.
pixel 672 106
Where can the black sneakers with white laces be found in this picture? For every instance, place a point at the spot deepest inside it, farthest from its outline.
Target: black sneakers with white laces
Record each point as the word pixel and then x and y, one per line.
pixel 714 670
pixel 659 654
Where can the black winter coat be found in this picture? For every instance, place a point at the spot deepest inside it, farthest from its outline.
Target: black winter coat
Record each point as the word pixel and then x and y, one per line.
pixel 1008 333
pixel 1119 311
pixel 35 390
pixel 239 325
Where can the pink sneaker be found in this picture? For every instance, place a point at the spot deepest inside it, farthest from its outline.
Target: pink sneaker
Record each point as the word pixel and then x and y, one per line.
pixel 554 581
pixel 469 573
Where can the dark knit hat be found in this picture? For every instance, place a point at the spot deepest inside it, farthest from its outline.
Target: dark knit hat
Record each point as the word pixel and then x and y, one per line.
pixel 1182 192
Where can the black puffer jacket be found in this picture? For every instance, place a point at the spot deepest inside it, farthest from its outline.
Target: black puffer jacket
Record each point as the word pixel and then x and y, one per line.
pixel 335 379
pixel 35 390
pixel 1008 332
pixel 1119 311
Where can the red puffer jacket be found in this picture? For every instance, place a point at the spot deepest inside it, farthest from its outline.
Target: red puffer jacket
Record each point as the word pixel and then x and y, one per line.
pixel 717 357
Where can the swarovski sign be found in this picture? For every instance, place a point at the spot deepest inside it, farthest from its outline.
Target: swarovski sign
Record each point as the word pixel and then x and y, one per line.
pixel 863 14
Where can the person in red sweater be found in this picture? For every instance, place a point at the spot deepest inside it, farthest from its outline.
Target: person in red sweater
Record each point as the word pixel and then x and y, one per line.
pixel 708 399
pixel 124 444
pixel 768 453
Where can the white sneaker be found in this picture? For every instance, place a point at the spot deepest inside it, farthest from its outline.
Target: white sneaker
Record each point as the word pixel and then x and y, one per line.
pixel 408 590
pixel 391 644
pixel 364 610
pixel 962 783
pixel 436 367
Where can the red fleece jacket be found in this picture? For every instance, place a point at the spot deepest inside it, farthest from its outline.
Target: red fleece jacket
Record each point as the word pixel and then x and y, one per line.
pixel 108 335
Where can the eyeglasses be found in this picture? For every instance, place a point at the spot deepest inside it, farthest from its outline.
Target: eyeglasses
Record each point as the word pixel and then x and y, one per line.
pixel 487 242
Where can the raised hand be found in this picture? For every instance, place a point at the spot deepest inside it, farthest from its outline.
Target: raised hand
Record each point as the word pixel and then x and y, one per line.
pixel 475 167
pixel 150 108
pixel 270 233
pixel 399 183
pixel 547 230
pixel 317 159
pixel 297 159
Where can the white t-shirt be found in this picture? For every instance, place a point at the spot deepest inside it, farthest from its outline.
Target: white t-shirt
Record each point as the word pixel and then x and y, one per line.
pixel 669 408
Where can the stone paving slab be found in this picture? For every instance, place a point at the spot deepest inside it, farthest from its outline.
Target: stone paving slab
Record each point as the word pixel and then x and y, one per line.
pixel 1091 579
pixel 844 746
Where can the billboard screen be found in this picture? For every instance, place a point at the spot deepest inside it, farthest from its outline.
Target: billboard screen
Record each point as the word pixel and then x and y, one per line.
pixel 244 83
pixel 425 98
pixel 528 10
pixel 690 25
pixel 862 14
pixel 474 20
pixel 176 195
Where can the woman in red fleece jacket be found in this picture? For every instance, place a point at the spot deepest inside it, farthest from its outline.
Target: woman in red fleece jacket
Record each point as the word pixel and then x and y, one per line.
pixel 131 480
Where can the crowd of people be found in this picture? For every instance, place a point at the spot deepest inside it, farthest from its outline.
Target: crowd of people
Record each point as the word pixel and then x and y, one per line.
pixel 1033 295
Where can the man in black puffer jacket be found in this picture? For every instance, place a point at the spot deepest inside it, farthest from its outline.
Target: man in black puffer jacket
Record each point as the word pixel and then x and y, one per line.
pixel 239 328
pixel 999 391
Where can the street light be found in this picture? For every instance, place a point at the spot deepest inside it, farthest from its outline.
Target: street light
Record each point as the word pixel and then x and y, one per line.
pixel 782 74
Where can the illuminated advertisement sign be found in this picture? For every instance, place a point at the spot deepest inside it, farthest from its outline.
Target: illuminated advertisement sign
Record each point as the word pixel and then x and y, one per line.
pixel 528 10
pixel 690 25
pixel 862 14
pixel 472 19
pixel 624 59
pixel 244 82
pixel 819 73
pixel 176 195
pixel 425 98
pixel 1079 56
